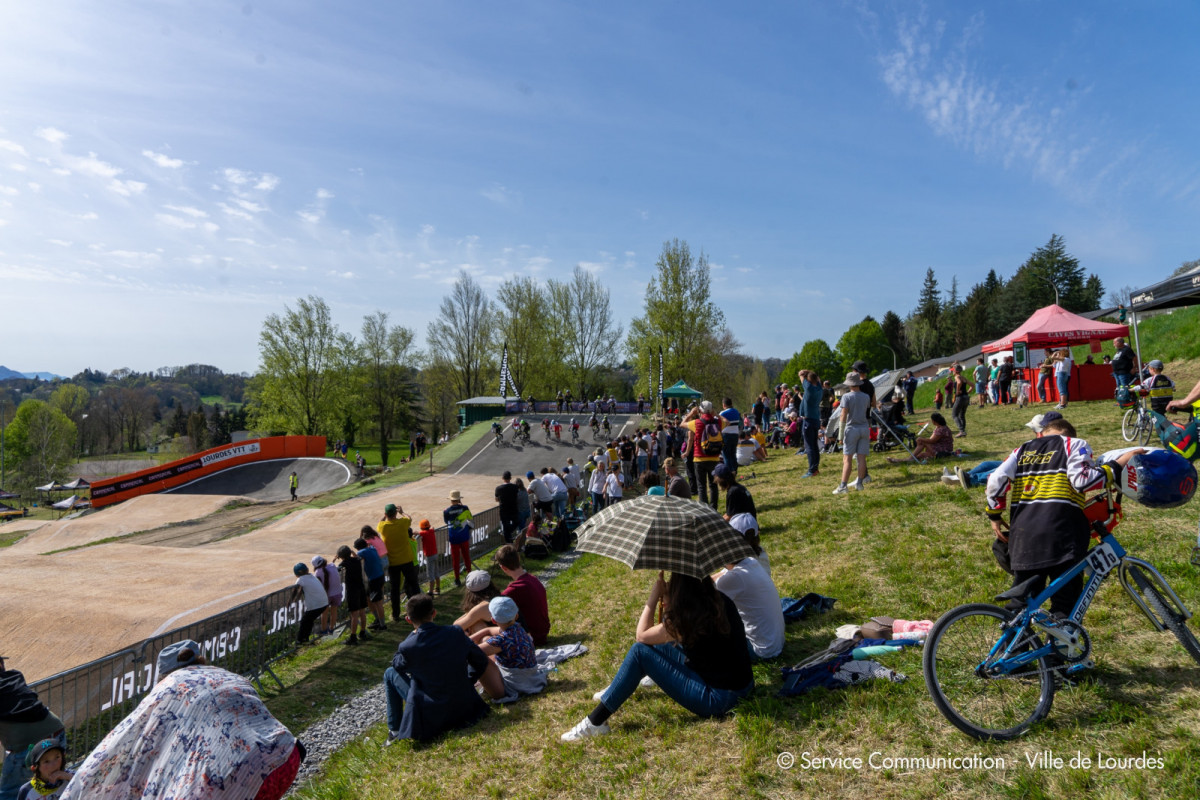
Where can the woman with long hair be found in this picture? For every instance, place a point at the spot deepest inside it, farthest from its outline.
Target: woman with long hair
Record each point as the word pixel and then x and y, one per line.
pixel 477 594
pixel 939 444
pixel 698 654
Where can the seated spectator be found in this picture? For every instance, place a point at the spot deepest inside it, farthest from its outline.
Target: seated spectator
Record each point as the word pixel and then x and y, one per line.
pixel 48 779
pixel 737 497
pixel 528 593
pixel 697 655
pixel 652 484
pixel 479 590
pixel 24 721
pixel 511 647
pixel 202 731
pixel 748 584
pixel 747 525
pixel 746 449
pixel 941 443
pixel 430 686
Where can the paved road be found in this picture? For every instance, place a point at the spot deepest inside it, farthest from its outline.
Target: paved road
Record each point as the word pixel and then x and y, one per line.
pixel 268 480
pixel 486 458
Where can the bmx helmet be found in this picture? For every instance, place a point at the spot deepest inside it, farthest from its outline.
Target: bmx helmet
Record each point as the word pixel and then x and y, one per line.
pixel 572 420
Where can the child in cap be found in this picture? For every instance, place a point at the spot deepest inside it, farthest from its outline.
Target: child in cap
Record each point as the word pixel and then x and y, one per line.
pixel 45 760
pixel 507 643
pixel 429 549
pixel 331 580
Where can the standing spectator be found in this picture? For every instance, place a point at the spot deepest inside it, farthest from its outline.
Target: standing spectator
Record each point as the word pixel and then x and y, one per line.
pixel 374 568
pixel 597 484
pixel 1062 376
pixel 523 510
pixel 868 389
pixel 1045 375
pixel 506 500
pixel 810 413
pixel 1005 377
pixel 458 519
pixel 1122 362
pixel 294 484
pixel 315 601
pixel 24 721
pixel 962 398
pixel 737 497
pixel 705 442
pixel 729 433
pixel 981 379
pixel 362 464
pixel 688 447
pixel 909 384
pixel 994 382
pixel 354 582
pixel 626 450
pixel 558 491
pixel 540 495
pixel 429 549
pixel 826 403
pixel 643 453
pixel 430 686
pixel 570 479
pixel 396 531
pixel 676 484
pixel 331 581
pixel 527 592
pixel 857 436
pixel 613 487
pixel 759 409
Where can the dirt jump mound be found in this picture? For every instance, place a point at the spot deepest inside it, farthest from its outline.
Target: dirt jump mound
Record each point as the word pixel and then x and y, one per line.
pixel 269 480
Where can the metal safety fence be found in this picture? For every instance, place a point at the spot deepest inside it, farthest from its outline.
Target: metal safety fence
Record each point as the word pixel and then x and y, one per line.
pixel 93 698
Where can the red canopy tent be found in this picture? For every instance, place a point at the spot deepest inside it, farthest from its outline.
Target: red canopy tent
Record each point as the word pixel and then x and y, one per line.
pixel 1053 327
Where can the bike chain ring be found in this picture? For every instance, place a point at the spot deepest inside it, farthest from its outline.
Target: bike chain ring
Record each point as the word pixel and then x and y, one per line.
pixel 1082 647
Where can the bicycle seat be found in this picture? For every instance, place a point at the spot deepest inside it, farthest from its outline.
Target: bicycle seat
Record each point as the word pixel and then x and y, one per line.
pixel 1022 591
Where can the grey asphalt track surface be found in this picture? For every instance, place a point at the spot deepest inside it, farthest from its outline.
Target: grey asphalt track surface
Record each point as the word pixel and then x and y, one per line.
pixel 486 458
pixel 268 480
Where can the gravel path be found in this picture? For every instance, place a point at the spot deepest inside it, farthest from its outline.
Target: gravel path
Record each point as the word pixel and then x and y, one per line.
pixel 350 720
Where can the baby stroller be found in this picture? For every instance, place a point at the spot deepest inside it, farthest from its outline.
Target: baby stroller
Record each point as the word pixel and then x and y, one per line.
pixel 893 432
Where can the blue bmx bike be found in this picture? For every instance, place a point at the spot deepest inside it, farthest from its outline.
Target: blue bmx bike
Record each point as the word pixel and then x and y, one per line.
pixel 993 672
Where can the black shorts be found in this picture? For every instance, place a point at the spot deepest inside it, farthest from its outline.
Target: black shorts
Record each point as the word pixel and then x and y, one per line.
pixel 375 589
pixel 356 600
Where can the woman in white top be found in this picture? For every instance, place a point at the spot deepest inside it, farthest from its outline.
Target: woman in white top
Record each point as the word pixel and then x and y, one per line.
pixel 1062 375
pixel 596 485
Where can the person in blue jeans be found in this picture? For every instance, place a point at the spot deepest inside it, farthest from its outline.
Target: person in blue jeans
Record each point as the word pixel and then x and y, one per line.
pixel 698 654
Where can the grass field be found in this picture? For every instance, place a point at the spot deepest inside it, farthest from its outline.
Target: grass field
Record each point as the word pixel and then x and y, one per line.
pixel 907 547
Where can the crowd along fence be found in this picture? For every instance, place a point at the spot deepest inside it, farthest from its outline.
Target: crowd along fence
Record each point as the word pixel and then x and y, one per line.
pixel 93 698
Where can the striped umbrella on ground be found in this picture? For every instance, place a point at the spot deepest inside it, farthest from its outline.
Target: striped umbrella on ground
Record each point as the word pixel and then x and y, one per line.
pixel 664 532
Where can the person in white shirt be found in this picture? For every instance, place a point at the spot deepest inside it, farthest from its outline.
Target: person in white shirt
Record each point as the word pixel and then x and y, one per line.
pixel 1062 375
pixel 750 588
pixel 612 487
pixel 539 493
pixel 596 486
pixel 558 491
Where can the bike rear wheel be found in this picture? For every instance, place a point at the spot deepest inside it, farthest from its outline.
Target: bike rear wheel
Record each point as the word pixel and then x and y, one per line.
pixel 1129 425
pixel 1172 619
pixel 1145 428
pixel 1001 707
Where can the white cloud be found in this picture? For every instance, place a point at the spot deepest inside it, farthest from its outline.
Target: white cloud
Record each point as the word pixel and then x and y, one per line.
pixel 234 212
pixel 240 240
pixel 267 182
pixel 127 188
pixel 312 217
pixel 9 191
pixel 60 242
pixel 13 147
pixel 166 162
pixel 15 167
pixel 594 267
pixel 427 230
pixel 92 166
pixel 630 254
pixel 324 194
pixel 236 176
pixel 343 275
pixel 745 270
pixel 61 171
pixel 173 221
pixel 501 195
pixel 250 206
pixel 34 187
pixel 89 215
pixel 51 135
pixel 210 227
pixel 189 210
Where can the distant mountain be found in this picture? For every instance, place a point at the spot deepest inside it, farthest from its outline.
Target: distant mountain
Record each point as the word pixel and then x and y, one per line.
pixel 8 374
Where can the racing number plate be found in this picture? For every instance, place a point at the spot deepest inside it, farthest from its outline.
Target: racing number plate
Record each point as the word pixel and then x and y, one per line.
pixel 1102 559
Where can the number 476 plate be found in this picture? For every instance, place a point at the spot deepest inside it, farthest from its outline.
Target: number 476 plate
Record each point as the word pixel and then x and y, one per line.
pixel 1102 559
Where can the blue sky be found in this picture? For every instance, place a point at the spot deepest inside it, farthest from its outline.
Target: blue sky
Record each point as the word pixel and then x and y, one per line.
pixel 172 172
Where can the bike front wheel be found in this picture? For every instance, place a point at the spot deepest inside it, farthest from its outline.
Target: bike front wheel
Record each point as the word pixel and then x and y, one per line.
pixel 984 706
pixel 1145 428
pixel 1172 619
pixel 1129 425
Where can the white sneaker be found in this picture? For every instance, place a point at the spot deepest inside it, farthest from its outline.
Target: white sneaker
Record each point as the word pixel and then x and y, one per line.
pixel 647 682
pixel 392 738
pixel 585 730
pixel 598 696
pixel 860 485
pixel 841 489
pixel 950 480
pixel 946 473
pixel 867 479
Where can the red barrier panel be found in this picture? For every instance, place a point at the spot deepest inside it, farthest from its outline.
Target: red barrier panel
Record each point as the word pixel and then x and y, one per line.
pixel 186 470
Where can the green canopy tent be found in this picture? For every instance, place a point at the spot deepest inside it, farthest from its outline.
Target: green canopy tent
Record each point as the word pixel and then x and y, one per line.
pixel 681 391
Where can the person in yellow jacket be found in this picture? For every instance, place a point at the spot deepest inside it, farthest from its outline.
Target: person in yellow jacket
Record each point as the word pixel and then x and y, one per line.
pixel 294 483
pixel 396 531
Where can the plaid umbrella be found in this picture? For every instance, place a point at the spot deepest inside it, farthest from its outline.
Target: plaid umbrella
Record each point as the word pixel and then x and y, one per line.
pixel 664 532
